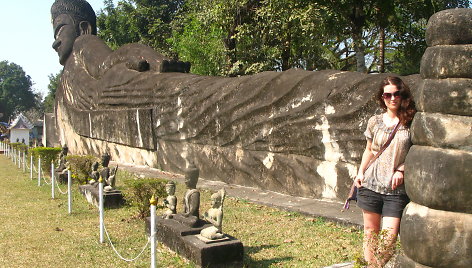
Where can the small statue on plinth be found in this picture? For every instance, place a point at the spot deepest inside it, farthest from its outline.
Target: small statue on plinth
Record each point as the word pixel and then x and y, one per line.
pixel 190 216
pixel 62 168
pixel 105 171
pixel 171 201
pixel 95 175
pixel 62 159
pixel 110 181
pixel 192 196
pixel 215 216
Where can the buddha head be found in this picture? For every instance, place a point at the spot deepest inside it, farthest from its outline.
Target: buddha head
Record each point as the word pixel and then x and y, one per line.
pixel 105 159
pixel 71 19
pixel 218 198
pixel 65 149
pixel 170 188
pixel 95 166
pixel 191 176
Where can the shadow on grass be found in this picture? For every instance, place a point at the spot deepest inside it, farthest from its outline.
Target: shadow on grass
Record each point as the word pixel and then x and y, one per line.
pixel 250 262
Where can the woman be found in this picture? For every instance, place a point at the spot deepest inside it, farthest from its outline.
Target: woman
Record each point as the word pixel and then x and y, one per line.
pixel 380 183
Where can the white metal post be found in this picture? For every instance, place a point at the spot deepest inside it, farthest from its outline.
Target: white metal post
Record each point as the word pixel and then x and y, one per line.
pixel 69 191
pixel 100 208
pixel 24 161
pixel 31 166
pixel 19 158
pixel 52 180
pixel 153 231
pixel 39 171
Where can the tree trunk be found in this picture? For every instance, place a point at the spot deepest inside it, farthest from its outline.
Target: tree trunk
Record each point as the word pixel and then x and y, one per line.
pixel 357 21
pixel 360 54
pixel 382 50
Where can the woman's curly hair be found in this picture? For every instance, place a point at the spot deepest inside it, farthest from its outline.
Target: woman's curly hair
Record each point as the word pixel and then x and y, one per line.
pixel 407 109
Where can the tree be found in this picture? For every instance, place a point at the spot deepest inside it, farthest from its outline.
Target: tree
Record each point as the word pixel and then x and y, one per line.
pixel 49 100
pixel 16 94
pixel 221 37
pixel 145 21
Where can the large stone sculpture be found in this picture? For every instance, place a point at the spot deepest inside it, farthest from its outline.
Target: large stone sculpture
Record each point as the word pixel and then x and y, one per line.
pixel 295 132
pixel 436 229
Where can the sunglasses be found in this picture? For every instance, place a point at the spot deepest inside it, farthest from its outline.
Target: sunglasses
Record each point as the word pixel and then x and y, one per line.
pixel 388 96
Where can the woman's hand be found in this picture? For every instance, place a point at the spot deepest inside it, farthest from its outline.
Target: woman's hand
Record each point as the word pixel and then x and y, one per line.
pixel 397 179
pixel 359 180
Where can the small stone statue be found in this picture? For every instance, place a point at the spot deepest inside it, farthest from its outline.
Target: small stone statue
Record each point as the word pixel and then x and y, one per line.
pixel 215 216
pixel 62 158
pixel 95 175
pixel 110 182
pixel 171 201
pixel 105 171
pixel 192 196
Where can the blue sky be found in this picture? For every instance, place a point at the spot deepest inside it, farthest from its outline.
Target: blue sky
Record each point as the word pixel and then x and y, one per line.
pixel 26 38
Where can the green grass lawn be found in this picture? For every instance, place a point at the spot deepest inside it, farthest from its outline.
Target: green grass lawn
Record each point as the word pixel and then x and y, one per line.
pixel 37 231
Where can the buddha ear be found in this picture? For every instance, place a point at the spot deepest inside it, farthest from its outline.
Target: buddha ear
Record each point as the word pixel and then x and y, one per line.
pixel 85 27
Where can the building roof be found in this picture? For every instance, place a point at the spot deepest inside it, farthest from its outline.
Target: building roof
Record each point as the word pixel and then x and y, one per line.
pixel 21 122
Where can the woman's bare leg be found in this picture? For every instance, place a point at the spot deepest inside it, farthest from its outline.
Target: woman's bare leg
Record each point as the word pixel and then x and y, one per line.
pixel 371 231
pixel 390 229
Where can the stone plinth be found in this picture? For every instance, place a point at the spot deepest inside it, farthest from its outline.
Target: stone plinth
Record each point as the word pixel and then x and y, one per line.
pixel 183 240
pixel 111 199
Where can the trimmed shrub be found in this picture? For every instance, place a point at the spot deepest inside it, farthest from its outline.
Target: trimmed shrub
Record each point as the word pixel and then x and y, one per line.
pixel 47 155
pixel 19 146
pixel 138 192
pixel 80 166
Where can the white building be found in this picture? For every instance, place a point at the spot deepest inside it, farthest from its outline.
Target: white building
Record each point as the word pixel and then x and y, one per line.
pixel 20 129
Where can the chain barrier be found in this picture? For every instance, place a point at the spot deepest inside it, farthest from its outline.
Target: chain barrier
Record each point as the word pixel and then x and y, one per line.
pixel 119 255
pixel 44 178
pixel 59 188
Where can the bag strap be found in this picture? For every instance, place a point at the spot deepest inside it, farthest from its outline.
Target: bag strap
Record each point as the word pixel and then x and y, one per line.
pixel 384 146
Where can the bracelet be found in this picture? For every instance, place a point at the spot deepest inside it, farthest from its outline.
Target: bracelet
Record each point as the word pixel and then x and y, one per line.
pixel 401 171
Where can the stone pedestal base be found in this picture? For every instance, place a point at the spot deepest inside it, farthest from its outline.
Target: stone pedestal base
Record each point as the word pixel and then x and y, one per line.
pixel 182 239
pixel 111 199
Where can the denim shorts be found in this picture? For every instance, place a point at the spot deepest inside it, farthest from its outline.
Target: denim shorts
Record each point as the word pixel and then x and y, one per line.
pixel 386 205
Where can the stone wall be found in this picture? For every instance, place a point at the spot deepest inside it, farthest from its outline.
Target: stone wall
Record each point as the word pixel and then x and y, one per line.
pixel 50 136
pixel 436 229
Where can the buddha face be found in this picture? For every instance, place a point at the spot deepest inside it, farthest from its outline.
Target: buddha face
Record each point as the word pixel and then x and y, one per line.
pixel 170 189
pixel 64 36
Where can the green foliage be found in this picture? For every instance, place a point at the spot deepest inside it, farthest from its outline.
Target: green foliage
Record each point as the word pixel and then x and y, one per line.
pixel 139 191
pixel 47 154
pixel 202 46
pixel 238 37
pixel 80 167
pixel 16 94
pixel 144 21
pixel 49 100
pixel 19 146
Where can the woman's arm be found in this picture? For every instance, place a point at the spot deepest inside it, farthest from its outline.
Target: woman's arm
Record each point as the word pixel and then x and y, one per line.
pixel 397 178
pixel 366 157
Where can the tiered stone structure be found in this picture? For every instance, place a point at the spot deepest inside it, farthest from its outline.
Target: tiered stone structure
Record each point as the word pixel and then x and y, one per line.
pixel 436 229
